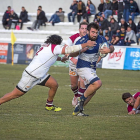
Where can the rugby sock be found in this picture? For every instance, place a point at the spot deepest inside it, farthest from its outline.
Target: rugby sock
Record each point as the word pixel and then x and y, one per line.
pixel 49 103
pixel 76 109
pixel 81 91
pixel 83 98
pixel 75 91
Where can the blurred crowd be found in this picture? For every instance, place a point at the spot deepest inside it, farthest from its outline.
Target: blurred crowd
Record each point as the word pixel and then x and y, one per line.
pixel 122 31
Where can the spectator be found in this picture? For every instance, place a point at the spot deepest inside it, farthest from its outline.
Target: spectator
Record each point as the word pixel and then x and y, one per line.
pixel 114 7
pixel 104 25
pixel 138 33
pixel 112 39
pixel 107 38
pixel 90 10
pixel 41 19
pixel 130 100
pixel 73 13
pixel 130 37
pixel 134 10
pixel 126 10
pixel 117 41
pixel 6 17
pixel 57 17
pixel 120 9
pixel 23 17
pixel 132 25
pixel 81 10
pixel 107 9
pixel 122 34
pixel 114 26
pixel 13 19
pixel 100 9
pixel 123 23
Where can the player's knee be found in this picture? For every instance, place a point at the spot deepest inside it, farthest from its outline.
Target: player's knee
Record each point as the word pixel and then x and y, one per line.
pixel 74 86
pixel 98 84
pixel 55 86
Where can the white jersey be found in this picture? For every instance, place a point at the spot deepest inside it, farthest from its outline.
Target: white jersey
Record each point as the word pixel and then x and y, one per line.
pixel 44 59
pixel 70 42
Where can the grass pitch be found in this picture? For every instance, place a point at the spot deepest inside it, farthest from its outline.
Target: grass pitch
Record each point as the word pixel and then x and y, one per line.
pixel 25 118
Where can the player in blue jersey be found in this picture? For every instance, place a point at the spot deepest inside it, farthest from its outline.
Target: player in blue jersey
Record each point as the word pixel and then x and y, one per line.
pixel 86 65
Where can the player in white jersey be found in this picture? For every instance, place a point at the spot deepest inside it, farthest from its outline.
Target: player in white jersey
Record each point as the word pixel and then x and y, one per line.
pixel 36 73
pixel 78 89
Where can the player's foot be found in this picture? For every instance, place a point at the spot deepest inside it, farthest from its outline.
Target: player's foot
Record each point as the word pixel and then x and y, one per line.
pixel 79 114
pixel 54 108
pixel 74 101
pixel 80 103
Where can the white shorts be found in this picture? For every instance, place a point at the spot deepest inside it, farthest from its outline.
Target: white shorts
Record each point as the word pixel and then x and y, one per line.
pixel 73 71
pixel 28 81
pixel 88 75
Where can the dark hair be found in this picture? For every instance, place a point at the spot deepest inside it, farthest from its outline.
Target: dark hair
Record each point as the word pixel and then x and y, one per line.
pixel 54 39
pixel 60 8
pixel 129 27
pixel 38 10
pixel 83 23
pixel 126 95
pixel 93 25
pixel 40 6
pixel 123 27
pixel 9 7
pixel 106 36
pixel 22 7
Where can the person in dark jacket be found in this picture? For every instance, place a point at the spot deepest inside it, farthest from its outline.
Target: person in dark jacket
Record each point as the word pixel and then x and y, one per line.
pixel 23 17
pixel 126 10
pixel 6 17
pixel 41 19
pixel 57 17
pixel 104 25
pixel 107 9
pixel 81 10
pixel 134 9
pixel 114 7
pixel 138 33
pixel 73 13
pixel 13 19
pixel 120 9
pixel 100 9
pixel 114 27
pixel 123 23
pixel 132 25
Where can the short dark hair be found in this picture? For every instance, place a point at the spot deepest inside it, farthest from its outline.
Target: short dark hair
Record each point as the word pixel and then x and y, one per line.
pixel 93 25
pixel 60 8
pixel 54 39
pixel 129 27
pixel 23 7
pixel 9 7
pixel 83 23
pixel 40 6
pixel 126 95
pixel 38 10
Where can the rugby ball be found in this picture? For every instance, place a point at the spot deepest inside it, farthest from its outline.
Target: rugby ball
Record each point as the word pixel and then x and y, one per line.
pixel 103 45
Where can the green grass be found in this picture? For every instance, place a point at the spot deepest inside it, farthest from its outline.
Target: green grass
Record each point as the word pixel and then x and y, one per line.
pixel 25 118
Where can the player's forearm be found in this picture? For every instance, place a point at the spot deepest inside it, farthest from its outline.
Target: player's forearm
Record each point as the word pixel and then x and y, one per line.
pixel 59 58
pixel 137 103
pixel 74 54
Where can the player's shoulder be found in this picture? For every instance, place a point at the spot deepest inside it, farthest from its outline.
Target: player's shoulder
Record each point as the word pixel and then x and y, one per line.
pixel 136 95
pixel 101 38
pixel 73 37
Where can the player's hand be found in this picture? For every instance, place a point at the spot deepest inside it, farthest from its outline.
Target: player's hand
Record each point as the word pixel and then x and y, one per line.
pixel 105 50
pixel 132 112
pixel 64 59
pixel 91 43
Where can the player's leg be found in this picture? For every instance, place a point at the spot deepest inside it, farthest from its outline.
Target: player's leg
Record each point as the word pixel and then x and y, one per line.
pixel 52 84
pixel 11 95
pixel 82 87
pixel 89 98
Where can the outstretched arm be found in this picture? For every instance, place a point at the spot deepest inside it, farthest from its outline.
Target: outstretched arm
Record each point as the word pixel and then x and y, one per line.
pixel 137 103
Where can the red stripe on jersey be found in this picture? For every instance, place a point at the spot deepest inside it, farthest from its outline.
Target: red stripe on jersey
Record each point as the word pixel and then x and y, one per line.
pixel 73 37
pixel 52 47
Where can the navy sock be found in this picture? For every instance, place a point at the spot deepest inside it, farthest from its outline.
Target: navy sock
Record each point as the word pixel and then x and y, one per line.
pixel 83 98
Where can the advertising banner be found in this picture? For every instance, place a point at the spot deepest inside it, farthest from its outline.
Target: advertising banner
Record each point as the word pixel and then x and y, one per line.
pixel 132 59
pixel 3 52
pixel 114 60
pixel 31 50
pixel 19 54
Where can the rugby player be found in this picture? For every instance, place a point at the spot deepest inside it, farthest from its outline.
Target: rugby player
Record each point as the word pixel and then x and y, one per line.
pixel 36 73
pixel 133 102
pixel 86 65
